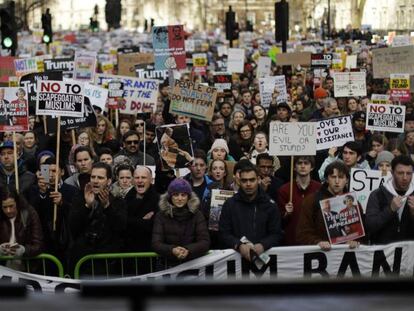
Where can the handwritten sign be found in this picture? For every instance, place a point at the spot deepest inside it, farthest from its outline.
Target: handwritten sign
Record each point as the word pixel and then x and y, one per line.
pixel 387 61
pixel 296 138
pixel 334 132
pixel 347 84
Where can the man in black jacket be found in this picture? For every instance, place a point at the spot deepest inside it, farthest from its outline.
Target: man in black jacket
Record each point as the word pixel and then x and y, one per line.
pixel 252 214
pixel 97 220
pixel 390 208
pixel 142 204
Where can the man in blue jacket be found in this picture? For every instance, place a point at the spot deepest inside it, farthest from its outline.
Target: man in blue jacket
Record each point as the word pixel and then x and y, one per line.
pixel 252 214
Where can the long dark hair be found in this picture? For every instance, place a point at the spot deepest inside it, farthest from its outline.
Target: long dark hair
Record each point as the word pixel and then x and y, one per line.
pixel 21 203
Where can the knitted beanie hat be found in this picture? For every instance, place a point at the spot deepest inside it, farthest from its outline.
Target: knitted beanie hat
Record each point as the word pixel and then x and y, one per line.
pixel 179 185
pixel 220 143
pixel 384 156
pixel 320 93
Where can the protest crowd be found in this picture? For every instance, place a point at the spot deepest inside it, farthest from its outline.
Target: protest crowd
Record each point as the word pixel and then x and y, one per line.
pixel 173 143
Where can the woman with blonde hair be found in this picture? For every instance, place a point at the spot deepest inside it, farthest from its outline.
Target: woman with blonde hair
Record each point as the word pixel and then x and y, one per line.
pixel 103 135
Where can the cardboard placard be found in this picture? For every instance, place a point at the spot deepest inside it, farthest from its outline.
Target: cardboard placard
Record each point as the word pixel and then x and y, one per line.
pixel 387 61
pixel 263 67
pixel 380 98
pixel 87 120
pixel 127 62
pixel 218 198
pixel 343 221
pixel 57 98
pixel 348 84
pixel 334 132
pixel 25 66
pixel 222 81
pixel 400 87
pixel 14 109
pixel 386 118
pixel 147 71
pixel 321 60
pixel 296 58
pixel 290 139
pixel 169 47
pixel 96 95
pixel 193 100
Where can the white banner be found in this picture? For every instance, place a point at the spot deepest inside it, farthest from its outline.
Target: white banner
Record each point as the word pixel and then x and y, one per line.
pixel 295 138
pixel 363 182
pixel 295 262
pixel 334 132
pixel 349 84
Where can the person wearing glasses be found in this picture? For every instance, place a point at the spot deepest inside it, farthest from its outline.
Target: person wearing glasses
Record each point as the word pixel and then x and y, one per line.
pixel 131 149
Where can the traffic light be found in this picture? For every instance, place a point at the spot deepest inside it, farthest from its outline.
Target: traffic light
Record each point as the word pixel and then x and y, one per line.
pixel 8 27
pixel 282 20
pixel 232 28
pixel 47 27
pixel 93 25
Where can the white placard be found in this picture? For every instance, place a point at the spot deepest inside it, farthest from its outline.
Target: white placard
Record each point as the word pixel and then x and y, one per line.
pixel 235 61
pixel 386 118
pixel 97 95
pixel 363 182
pixel 351 61
pixel 334 132
pixel 347 84
pixel 263 67
pixel 268 85
pixel 295 138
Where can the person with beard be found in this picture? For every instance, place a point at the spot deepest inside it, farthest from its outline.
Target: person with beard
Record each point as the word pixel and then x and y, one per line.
pixel 311 226
pixel 97 220
pixel 250 213
pixel 390 208
pixel 217 130
pixel 131 149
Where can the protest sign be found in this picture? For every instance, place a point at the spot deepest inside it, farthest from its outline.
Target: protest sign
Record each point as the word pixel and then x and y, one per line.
pixel 401 40
pixel 200 63
pixel 57 98
pixel 189 45
pixel 270 84
pixel 13 81
pixel 66 65
pixel 343 221
pixel 291 139
pixel 348 84
pixel 169 47
pixel 296 263
pixel 334 132
pixel 296 58
pixel 363 182
pixel 14 109
pixel 400 87
pixel 387 61
pixel 87 120
pixel 222 81
pixel 107 67
pixel 25 66
pixel 30 83
pixel 147 71
pixel 235 60
pixel 96 95
pixel 193 100
pixel 351 61
pixel 139 95
pixel 127 62
pixel 263 67
pixel 7 68
pixel 84 66
pixel 380 99
pixel 386 118
pixel 321 60
pixel 174 143
pixel 337 64
pixel 218 198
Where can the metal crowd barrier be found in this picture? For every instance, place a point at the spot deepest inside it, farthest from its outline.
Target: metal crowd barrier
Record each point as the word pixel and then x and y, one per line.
pixel 113 265
pixel 43 264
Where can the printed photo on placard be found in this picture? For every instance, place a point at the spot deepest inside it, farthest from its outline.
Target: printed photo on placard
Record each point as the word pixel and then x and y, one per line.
pixel 175 146
pixel 342 218
pixel 14 109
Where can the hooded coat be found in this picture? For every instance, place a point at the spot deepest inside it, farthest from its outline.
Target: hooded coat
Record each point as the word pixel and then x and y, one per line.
pixel 185 227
